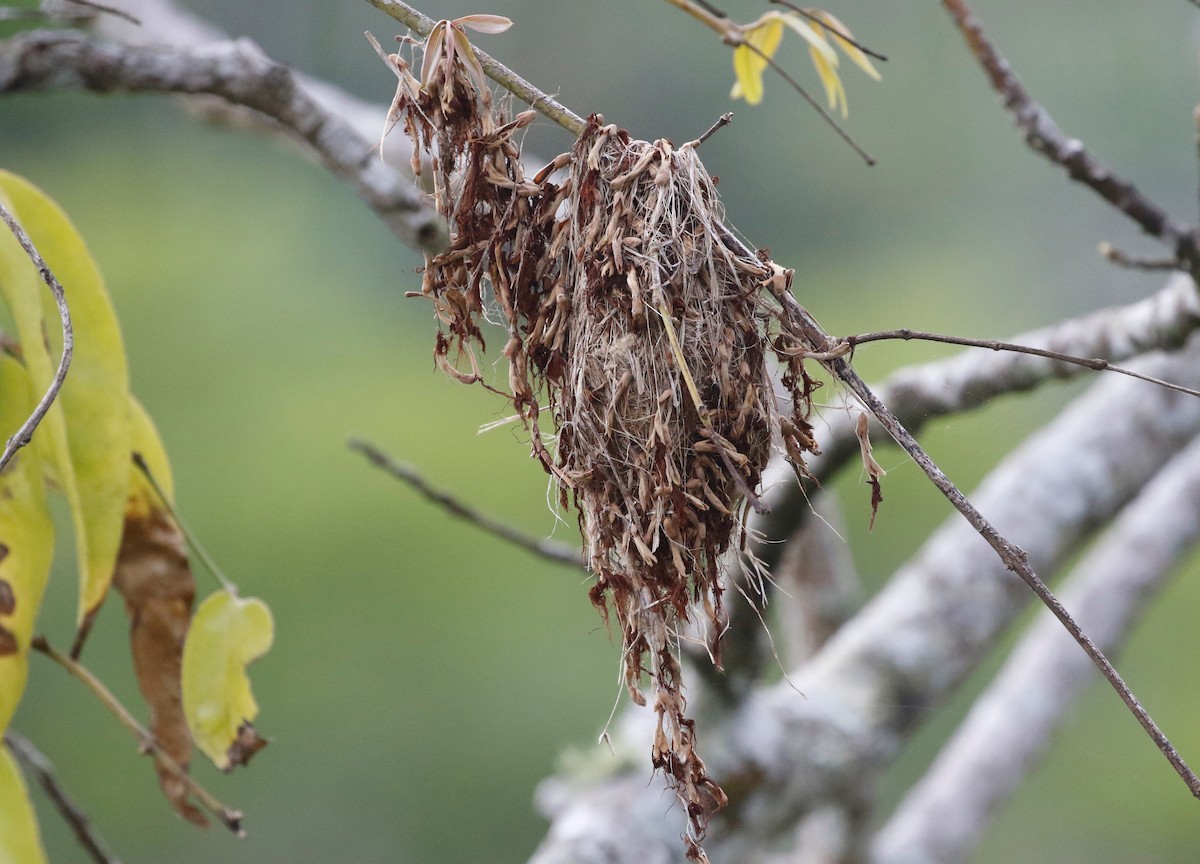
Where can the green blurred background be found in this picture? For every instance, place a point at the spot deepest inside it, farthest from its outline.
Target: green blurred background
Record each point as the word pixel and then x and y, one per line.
pixel 424 676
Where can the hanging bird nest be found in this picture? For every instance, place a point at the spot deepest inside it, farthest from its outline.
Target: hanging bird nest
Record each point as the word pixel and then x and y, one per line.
pixel 646 328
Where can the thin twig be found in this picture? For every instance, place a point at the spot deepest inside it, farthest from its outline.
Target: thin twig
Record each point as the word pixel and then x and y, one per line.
pixel 545 104
pixel 207 560
pixel 816 106
pixel 721 13
pixel 836 31
pixel 36 763
pixel 722 122
pixel 1115 256
pixel 23 435
pixel 559 553
pixel 1012 722
pixel 1044 136
pixel 1099 364
pixel 110 10
pixel 231 819
pixel 714 19
pixel 1014 558
pixel 732 35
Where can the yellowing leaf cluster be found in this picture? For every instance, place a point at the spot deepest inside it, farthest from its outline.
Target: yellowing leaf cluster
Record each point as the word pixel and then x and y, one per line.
pixel 820 30
pixel 99 448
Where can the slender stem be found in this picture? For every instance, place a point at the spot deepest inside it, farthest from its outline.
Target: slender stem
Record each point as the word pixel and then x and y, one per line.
pixel 708 17
pixel 722 121
pixel 836 31
pixel 1115 256
pixel 232 819
pixel 1014 558
pixel 559 553
pixel 23 435
pixel 545 104
pixel 816 106
pixel 110 10
pixel 1097 363
pixel 35 762
pixel 1044 136
pixel 207 560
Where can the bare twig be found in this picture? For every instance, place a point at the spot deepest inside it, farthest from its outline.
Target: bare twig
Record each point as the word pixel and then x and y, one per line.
pixel 559 553
pixel 1044 136
pixel 1014 558
pixel 712 18
pixel 841 34
pixel 36 763
pixel 722 121
pixel 1115 256
pixel 230 818
pixel 64 8
pixel 918 394
pixel 23 435
pixel 1098 364
pixel 731 34
pixel 193 542
pixel 813 103
pixel 1012 722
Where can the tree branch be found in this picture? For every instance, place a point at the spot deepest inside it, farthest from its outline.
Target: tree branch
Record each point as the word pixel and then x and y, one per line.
pixel 559 553
pixel 919 394
pixel 1095 364
pixel 1011 724
pixel 1014 557
pixel 36 764
pixel 922 393
pixel 230 818
pixel 1043 135
pixel 25 434
pixel 241 74
pixel 784 754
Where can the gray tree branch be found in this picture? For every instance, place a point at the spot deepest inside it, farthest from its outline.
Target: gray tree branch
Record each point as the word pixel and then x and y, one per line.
pixel 1011 724
pixel 241 74
pixel 781 755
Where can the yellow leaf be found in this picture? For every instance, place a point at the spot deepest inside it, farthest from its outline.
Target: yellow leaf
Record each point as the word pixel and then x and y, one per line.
pixel 227 633
pixel 19 841
pixel 835 91
pixel 836 29
pixel 26 542
pixel 86 433
pixel 749 64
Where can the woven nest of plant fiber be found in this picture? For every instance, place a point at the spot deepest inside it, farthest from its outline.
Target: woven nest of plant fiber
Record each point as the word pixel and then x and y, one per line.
pixel 645 328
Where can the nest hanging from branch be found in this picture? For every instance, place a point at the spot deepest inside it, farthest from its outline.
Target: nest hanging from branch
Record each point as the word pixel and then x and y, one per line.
pixel 646 328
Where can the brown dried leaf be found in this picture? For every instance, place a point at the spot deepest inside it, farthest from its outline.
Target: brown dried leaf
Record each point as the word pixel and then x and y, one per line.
pixel 874 469
pixel 153 577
